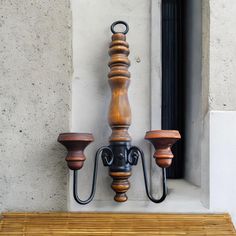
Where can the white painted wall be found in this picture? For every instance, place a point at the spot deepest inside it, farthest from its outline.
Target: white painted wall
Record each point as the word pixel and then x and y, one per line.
pixel 223 162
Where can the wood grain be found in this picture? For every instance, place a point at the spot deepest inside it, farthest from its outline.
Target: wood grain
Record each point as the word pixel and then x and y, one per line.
pixel 163 140
pixel 120 185
pixel 75 144
pixel 115 224
pixel 119 78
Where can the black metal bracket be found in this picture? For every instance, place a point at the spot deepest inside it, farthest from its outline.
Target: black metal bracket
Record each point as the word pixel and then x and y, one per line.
pixel 75 178
pixel 135 154
pixel 119 156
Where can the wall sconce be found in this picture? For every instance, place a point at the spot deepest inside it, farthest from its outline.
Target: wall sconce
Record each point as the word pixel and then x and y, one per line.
pixel 119 155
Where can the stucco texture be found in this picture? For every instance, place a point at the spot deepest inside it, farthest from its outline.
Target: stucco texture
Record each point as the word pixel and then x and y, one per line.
pixel 35 71
pixel 222 55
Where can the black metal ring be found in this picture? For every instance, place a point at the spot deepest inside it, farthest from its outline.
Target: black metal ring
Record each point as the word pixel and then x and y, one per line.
pixel 117 23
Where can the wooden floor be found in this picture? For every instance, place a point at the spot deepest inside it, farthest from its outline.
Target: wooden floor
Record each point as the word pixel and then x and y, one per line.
pixel 114 224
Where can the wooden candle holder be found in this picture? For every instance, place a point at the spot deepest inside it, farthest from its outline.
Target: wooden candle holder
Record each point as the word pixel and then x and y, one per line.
pixel 163 140
pixel 119 155
pixel 75 144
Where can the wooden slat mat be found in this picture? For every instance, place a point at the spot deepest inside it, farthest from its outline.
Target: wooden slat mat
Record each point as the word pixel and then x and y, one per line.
pixel 115 224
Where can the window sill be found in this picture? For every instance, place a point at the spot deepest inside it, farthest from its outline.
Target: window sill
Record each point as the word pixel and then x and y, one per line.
pixel 183 197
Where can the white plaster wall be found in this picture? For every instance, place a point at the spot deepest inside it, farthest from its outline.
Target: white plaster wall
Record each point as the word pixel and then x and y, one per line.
pixel 223 162
pixel 35 70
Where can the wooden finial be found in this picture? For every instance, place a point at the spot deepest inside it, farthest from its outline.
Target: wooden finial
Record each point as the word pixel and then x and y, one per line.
pixel 120 185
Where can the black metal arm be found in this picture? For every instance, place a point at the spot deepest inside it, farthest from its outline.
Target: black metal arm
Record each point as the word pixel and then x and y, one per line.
pixel 107 157
pixel 75 179
pixel 133 152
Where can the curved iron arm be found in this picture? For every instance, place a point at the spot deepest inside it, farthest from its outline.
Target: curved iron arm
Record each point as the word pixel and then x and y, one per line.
pixel 164 185
pixel 75 180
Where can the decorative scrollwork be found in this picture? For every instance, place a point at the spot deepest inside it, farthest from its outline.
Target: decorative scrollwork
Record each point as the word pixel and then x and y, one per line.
pixel 133 155
pixel 107 156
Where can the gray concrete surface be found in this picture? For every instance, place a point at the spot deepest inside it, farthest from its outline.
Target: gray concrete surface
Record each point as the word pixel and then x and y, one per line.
pixel 35 72
pixel 222 55
pixel 193 112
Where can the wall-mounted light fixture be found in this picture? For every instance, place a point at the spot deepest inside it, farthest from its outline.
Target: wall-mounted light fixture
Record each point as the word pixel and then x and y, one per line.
pixel 119 155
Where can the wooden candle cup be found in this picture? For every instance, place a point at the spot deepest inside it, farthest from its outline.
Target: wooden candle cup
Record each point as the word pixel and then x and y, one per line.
pixel 75 144
pixel 163 140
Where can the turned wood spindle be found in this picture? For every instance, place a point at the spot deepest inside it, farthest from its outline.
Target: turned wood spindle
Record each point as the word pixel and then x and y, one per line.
pixel 119 78
pixel 119 116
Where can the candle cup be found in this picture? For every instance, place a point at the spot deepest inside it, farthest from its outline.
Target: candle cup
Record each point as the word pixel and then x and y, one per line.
pixel 163 140
pixel 75 144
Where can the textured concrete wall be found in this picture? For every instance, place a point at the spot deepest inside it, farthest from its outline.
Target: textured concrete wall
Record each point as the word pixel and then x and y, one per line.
pixel 222 55
pixel 219 105
pixel 216 89
pixel 35 69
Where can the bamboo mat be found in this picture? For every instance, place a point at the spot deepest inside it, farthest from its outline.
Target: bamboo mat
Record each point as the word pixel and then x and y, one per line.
pixel 115 224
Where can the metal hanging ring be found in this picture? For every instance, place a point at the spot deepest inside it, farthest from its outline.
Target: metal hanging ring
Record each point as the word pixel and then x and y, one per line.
pixel 120 22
